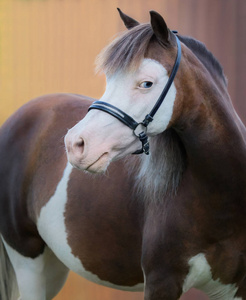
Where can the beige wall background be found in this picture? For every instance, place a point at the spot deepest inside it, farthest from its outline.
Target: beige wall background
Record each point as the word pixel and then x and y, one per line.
pixel 49 46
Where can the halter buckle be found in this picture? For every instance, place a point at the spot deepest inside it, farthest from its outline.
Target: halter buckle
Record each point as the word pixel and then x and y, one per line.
pixel 148 119
pixel 145 142
pixel 141 132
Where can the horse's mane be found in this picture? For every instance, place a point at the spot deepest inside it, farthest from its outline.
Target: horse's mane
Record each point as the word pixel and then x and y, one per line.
pixel 126 51
pixel 204 55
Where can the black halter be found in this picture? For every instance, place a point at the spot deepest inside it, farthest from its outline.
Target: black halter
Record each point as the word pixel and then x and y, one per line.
pixel 129 121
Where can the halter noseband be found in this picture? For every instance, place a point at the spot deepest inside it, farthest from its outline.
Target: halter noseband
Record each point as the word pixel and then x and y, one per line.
pixel 129 121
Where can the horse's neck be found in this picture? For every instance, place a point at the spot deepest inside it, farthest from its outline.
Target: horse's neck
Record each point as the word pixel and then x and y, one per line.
pixel 214 137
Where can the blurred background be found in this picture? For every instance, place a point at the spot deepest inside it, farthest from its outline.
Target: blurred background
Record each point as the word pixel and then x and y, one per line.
pixel 49 46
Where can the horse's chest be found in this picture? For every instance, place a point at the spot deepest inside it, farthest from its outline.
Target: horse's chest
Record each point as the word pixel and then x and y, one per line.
pixel 200 277
pixel 53 229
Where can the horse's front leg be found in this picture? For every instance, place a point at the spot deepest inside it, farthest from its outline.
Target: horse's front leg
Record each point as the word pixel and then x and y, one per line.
pixel 162 283
pixel 158 288
pixel 163 262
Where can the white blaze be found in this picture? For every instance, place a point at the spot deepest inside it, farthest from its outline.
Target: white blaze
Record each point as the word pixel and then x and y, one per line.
pixel 125 92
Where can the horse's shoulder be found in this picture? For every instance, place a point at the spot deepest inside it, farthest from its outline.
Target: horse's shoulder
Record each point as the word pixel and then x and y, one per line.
pixel 35 132
pixel 60 102
pixel 42 112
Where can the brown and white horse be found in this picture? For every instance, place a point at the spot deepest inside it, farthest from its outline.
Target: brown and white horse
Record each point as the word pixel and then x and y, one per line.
pixel 172 220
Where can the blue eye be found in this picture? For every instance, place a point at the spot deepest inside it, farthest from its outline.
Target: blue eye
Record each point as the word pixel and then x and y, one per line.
pixel 146 84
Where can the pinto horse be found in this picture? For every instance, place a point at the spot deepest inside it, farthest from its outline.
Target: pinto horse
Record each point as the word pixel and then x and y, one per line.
pixel 165 222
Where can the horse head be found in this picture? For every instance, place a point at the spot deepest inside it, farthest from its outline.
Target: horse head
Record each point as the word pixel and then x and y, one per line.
pixel 137 65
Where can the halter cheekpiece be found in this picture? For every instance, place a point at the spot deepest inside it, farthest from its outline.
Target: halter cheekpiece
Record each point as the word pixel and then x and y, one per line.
pixel 129 121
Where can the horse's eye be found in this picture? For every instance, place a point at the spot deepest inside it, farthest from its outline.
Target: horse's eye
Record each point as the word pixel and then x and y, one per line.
pixel 146 84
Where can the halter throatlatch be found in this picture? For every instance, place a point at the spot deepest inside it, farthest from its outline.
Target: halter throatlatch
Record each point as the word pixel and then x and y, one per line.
pixel 140 129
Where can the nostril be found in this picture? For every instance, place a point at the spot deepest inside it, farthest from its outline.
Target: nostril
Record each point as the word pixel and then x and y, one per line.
pixel 79 145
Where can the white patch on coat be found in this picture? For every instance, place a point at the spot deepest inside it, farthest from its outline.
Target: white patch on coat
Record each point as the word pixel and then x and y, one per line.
pixel 42 276
pixel 200 277
pixel 51 226
pixel 28 274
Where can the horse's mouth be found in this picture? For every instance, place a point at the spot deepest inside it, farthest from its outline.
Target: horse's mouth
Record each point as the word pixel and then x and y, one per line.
pixel 99 165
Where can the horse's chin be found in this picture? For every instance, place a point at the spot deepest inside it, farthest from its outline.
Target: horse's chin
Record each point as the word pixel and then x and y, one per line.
pixel 100 165
pixel 94 165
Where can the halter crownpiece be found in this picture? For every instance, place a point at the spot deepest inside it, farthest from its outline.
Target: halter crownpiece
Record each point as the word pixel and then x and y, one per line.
pixel 129 121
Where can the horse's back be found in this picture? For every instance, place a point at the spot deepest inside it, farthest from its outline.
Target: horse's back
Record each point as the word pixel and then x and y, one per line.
pixel 30 140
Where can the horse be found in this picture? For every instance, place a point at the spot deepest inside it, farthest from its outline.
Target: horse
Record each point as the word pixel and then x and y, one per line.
pixel 166 98
pixel 163 222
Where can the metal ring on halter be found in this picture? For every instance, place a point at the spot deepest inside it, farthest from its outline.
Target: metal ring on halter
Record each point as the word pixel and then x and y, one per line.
pixel 139 129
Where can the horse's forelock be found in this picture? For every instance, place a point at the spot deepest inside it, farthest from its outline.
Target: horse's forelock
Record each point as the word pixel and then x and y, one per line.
pixel 126 51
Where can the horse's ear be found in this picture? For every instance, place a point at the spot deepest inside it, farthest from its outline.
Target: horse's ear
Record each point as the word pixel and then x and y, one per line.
pixel 159 27
pixel 128 21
